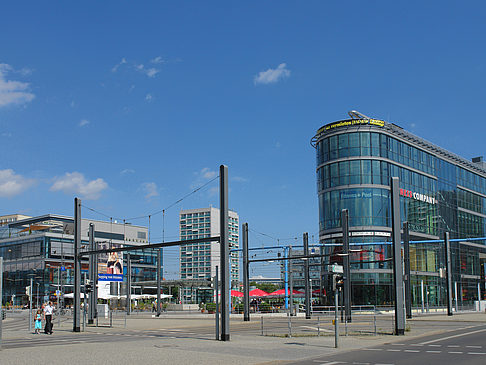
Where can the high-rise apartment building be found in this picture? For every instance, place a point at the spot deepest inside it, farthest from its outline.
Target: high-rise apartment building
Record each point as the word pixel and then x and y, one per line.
pixel 199 260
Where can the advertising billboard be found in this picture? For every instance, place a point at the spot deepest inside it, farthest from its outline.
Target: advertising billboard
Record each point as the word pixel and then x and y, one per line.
pixel 110 265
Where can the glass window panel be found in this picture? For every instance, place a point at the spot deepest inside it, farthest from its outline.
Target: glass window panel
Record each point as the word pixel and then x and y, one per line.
pixel 365 143
pixel 375 144
pixel 333 148
pixel 366 171
pixel 354 173
pixel 344 173
pixel 343 145
pixel 334 172
pixel 354 144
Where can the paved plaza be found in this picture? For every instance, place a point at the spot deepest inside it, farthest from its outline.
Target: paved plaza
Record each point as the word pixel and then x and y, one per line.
pixel 181 338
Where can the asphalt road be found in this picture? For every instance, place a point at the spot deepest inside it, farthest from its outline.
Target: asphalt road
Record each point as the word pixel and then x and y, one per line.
pixel 461 346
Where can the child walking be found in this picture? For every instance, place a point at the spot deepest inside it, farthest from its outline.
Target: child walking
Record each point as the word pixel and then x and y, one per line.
pixel 38 321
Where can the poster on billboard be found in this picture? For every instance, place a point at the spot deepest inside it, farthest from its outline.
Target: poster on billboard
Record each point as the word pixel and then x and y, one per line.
pixel 110 265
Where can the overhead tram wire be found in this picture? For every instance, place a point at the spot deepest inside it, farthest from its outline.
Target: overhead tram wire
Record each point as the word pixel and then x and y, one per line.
pixel 157 212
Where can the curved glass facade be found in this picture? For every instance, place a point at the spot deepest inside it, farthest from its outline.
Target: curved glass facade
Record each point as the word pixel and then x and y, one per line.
pixel 440 192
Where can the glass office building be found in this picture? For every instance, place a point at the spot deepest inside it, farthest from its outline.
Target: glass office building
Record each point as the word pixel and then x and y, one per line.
pixel 41 248
pixel 439 192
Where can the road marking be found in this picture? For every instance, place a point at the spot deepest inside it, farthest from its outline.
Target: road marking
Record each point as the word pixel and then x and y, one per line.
pixel 455 352
pixel 373 349
pixel 416 344
pixel 435 345
pixel 393 350
pixel 433 351
pixel 411 351
pixel 454 346
pixel 474 347
pixel 332 362
pixel 476 353
pixel 398 344
pixel 454 336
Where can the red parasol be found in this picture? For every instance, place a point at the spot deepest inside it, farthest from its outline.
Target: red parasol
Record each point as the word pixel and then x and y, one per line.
pixel 258 293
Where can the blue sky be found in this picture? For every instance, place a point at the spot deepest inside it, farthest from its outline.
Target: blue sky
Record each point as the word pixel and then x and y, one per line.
pixel 132 105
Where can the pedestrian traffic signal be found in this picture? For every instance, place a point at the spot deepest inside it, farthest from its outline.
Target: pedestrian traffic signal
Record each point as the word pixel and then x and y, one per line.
pixel 337 282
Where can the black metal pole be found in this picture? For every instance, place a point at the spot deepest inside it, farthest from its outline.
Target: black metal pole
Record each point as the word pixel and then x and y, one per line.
pixel 77 265
pixel 159 284
pixel 408 278
pixel 346 267
pixel 216 289
pixel 224 252
pixel 129 284
pixel 397 258
pixel 92 279
pixel 246 277
pixel 305 239
pixel 291 284
pixel 447 249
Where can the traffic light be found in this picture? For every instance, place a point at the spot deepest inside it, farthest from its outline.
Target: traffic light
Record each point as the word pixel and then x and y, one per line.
pixel 337 282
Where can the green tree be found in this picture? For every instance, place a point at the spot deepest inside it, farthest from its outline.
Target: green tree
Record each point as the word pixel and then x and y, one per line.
pixel 268 287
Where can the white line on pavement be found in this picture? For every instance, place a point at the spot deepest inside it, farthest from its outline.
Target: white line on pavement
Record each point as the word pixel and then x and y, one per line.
pixel 411 351
pixel 476 353
pixel 454 336
pixel 474 347
pixel 433 351
pixel 455 352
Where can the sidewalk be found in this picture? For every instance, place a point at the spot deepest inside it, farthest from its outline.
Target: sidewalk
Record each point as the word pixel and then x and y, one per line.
pixel 132 346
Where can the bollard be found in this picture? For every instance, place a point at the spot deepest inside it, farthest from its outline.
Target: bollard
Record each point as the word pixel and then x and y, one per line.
pixel 262 325
pixel 318 327
pixel 84 318
pixel 111 318
pixel 290 326
pixel 345 326
pixel 125 320
pixel 374 320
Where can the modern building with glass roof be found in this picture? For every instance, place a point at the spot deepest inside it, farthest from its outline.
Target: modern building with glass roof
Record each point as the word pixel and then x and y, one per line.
pixel 439 192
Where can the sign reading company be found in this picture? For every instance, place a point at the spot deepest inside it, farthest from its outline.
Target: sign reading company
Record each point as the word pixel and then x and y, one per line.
pixel 418 196
pixel 351 122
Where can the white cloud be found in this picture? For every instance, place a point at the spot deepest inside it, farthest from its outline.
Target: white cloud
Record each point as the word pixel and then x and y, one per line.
pixel 150 72
pixel 115 68
pixel 150 189
pixel 84 122
pixel 148 97
pixel 239 179
pixel 272 75
pixel 13 92
pixel 202 176
pixel 157 60
pixel 207 173
pixel 76 183
pixel 127 171
pixel 12 184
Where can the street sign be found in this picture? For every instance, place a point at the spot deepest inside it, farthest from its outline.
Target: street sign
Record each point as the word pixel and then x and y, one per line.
pixel 338 269
pixel 58 293
pixel 63 268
